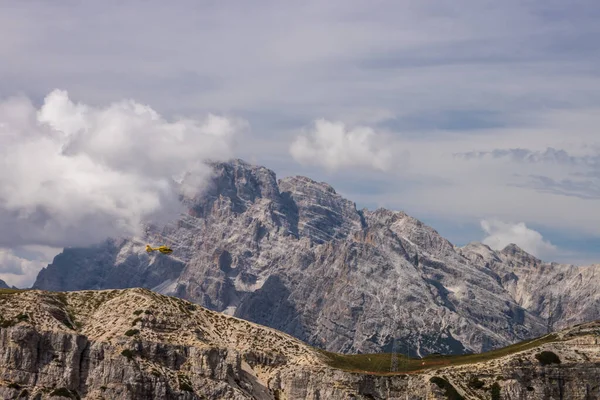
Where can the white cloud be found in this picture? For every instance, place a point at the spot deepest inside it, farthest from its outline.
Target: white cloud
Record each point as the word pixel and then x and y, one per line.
pixel 20 271
pixel 75 174
pixel 334 146
pixel 500 234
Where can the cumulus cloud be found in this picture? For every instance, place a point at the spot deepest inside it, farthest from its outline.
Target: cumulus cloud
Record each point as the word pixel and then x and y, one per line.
pixel 74 174
pixel 500 234
pixel 332 145
pixel 19 271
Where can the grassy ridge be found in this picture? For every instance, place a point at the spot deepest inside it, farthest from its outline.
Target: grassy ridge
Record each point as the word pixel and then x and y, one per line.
pixel 380 363
pixel 12 291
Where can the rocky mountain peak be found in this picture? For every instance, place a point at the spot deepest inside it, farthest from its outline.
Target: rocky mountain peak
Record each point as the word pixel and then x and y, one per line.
pixel 303 181
pixel 520 255
pixel 323 214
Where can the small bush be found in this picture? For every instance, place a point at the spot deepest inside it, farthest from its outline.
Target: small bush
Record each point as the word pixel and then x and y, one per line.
pixel 184 383
pixel 449 390
pixel 138 312
pixel 547 357
pixel 22 317
pixel 135 321
pixel 64 392
pixel 475 383
pixel 530 389
pixel 14 385
pixel 6 323
pixel 148 312
pixel 495 391
pixel 132 332
pixel 128 353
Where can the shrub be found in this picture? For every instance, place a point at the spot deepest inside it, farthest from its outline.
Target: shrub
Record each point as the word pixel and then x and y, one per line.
pixel 14 385
pixel 184 383
pixel 138 312
pixel 132 332
pixel 449 390
pixel 6 323
pixel 475 383
pixel 22 317
pixel 128 353
pixel 547 357
pixel 64 392
pixel 495 391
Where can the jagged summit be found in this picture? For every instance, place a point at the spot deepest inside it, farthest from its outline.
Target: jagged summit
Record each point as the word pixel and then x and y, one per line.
pixel 295 255
pixel 514 250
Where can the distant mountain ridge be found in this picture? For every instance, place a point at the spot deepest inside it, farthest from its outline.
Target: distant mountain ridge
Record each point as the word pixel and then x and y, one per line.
pixel 294 255
pixel 4 285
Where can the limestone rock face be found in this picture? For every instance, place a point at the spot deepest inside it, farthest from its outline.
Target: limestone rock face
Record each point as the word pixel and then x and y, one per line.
pixel 136 344
pixel 562 295
pixel 296 256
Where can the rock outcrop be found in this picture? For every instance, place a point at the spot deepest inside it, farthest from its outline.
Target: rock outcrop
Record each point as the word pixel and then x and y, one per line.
pixel 136 344
pixel 296 256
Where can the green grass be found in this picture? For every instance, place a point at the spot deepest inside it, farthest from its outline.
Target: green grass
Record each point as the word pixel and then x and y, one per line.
pixel 380 363
pixel 12 291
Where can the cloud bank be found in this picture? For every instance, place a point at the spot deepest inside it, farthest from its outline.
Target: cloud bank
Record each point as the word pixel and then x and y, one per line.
pixel 21 268
pixel 76 174
pixel 500 234
pixel 334 146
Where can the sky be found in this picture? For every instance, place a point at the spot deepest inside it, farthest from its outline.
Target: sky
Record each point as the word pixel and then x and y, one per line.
pixel 478 117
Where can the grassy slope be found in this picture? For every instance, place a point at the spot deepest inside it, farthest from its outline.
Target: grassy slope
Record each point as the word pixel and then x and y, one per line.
pixel 380 363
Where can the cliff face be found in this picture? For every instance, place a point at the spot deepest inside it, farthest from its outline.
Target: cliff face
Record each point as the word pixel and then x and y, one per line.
pixel 136 344
pixel 296 256
pixel 563 295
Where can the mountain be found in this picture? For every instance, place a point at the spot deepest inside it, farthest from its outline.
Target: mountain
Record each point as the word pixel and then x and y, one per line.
pixel 136 344
pixel 564 295
pixel 294 255
pixel 3 285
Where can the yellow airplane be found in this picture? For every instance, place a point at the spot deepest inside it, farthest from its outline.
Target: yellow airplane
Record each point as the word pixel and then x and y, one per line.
pixel 162 249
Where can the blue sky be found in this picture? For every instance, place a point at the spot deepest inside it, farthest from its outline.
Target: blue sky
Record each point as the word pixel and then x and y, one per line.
pixel 456 112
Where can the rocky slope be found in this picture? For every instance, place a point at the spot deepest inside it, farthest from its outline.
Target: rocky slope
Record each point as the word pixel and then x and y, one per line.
pixel 296 256
pixel 136 344
pixel 564 295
